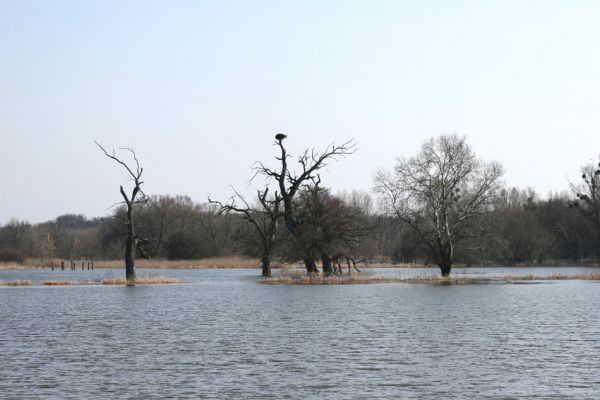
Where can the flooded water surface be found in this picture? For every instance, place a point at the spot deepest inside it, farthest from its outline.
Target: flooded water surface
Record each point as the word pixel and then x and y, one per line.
pixel 224 336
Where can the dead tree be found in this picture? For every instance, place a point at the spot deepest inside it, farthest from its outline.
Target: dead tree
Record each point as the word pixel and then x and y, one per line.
pixel 290 182
pixel 133 241
pixel 264 219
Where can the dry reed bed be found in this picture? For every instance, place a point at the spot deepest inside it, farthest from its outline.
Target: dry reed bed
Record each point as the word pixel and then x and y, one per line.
pixel 140 280
pixel 68 283
pixel 587 276
pixel 22 282
pixel 421 279
pixel 203 263
pixel 326 280
pixel 143 280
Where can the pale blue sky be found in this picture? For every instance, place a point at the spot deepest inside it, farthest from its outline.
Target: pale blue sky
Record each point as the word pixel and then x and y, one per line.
pixel 200 88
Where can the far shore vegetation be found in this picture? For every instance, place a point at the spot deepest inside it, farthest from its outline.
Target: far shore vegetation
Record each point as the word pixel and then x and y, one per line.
pixel 241 262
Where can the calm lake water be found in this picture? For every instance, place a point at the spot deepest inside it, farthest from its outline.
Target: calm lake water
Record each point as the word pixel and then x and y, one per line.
pixel 224 336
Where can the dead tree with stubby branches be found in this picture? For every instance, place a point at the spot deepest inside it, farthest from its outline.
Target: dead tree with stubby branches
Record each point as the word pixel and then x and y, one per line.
pixel 264 217
pixel 133 242
pixel 290 182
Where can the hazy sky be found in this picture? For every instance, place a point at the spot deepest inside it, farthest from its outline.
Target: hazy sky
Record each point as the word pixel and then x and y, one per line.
pixel 199 89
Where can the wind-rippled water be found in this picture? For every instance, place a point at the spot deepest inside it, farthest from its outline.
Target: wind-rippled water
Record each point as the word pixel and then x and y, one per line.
pixel 225 336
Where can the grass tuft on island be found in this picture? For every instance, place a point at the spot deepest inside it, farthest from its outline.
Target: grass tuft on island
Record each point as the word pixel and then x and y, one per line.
pixel 143 280
pixel 59 283
pixel 23 282
pixel 587 276
pixel 318 279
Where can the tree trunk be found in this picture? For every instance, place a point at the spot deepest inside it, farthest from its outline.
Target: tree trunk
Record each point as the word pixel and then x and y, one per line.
pixel 311 267
pixel 266 265
pixel 445 267
pixel 327 270
pixel 130 262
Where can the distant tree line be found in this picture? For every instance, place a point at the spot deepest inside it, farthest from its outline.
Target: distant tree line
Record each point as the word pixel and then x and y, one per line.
pixel 441 206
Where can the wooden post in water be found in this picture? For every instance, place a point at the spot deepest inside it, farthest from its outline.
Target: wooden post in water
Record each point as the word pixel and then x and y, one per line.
pixel 52 265
pixel 62 265
pixel 82 265
pixel 92 265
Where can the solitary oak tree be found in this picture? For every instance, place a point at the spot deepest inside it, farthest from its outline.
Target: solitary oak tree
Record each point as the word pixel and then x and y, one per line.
pixel 440 192
pixel 133 242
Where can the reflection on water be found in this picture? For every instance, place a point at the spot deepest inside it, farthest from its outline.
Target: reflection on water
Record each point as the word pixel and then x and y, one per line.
pixel 224 336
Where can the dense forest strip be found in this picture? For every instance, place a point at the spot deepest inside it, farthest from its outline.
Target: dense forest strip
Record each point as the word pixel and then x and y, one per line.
pixel 522 229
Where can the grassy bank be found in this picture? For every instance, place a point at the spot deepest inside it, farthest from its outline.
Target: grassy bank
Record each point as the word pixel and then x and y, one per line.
pixel 358 278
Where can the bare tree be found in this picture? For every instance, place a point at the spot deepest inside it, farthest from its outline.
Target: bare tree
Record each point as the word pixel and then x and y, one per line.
pixel 133 241
pixel 333 227
pixel 439 192
pixel 588 195
pixel 215 226
pixel 161 217
pixel 290 182
pixel 264 218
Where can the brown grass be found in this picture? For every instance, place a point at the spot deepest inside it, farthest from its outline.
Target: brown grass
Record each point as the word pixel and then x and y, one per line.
pixel 23 282
pixel 143 280
pixel 203 263
pixel 587 276
pixel 318 279
pixel 438 280
pixel 296 279
pixel 62 283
